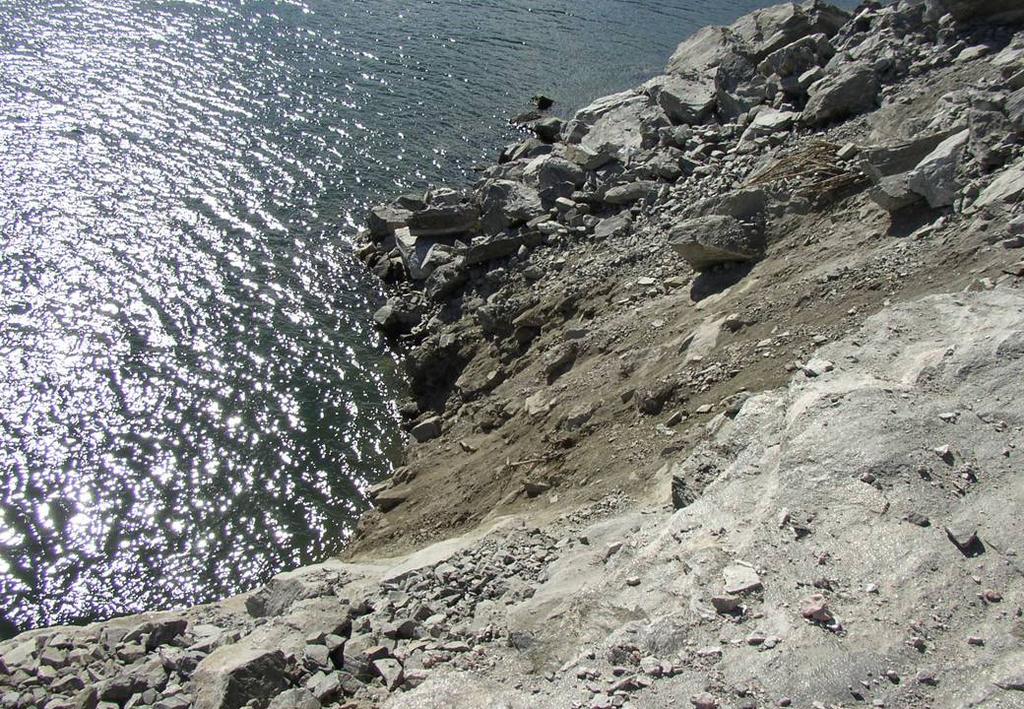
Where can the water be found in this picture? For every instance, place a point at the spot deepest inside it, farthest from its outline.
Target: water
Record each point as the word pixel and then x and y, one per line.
pixel 192 397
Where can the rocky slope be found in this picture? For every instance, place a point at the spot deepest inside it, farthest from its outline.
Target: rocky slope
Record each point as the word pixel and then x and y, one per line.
pixel 715 401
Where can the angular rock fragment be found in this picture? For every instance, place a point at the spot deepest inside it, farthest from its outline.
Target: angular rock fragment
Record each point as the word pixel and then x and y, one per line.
pixel 709 241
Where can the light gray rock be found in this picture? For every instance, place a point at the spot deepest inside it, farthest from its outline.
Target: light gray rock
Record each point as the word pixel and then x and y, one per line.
pixel 892 193
pixel 613 227
pixel 395 319
pixel 506 203
pixel 632 192
pixel 390 672
pixel 297 698
pixel 798 57
pixel 232 676
pixel 708 241
pixel 935 177
pixel 851 91
pixel 1006 189
pixel 444 220
pixel 684 100
pixel 427 430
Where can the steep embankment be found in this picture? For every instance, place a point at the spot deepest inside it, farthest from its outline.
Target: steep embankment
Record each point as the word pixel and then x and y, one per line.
pixel 720 384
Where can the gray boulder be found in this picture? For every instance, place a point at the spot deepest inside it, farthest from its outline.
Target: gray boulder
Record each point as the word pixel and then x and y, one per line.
pixel 549 130
pixel 632 192
pixel 1015 109
pixel 553 177
pixel 892 193
pixel 445 280
pixel 617 134
pixel 716 239
pixel 506 203
pixel 852 91
pixel 798 57
pixel 616 226
pixel 935 177
pixel 297 698
pixel 394 319
pixel 444 219
pixel 231 677
pixel 684 100
pixel 382 220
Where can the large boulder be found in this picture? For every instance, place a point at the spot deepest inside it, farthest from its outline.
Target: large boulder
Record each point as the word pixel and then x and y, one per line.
pixel 935 177
pixel 632 192
pixel 684 100
pixel 716 239
pixel 231 677
pixel 506 203
pixel 614 130
pixel 852 91
pixel 797 57
pixel 444 219
pixel 553 176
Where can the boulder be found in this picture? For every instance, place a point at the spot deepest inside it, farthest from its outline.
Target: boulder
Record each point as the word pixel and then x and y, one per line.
pixel 852 91
pixel 506 204
pixel 413 249
pixel 446 279
pixel 382 220
pixel 1006 189
pixel 549 130
pixel 684 100
pixel 1015 109
pixel 617 134
pixel 444 219
pixel 232 676
pixel 527 150
pixel 715 239
pixel 935 177
pixel 297 698
pixel 798 57
pixel 616 226
pixel 892 193
pixel 992 138
pixel 768 122
pixel 632 192
pixel 553 176
pixel 395 319
pixel 427 430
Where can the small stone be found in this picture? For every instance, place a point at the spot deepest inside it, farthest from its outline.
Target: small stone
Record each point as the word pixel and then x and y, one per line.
pixel 993 596
pixel 927 677
pixel 965 539
pixel 740 579
pixel 633 581
pixel 612 550
pixel 704 701
pixel 725 604
pixel 817 367
pixel 710 651
pixel 815 608
pixel 427 430
pixel 916 518
pixel 976 641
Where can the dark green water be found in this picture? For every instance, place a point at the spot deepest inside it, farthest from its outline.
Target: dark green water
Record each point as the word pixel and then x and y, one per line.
pixel 192 397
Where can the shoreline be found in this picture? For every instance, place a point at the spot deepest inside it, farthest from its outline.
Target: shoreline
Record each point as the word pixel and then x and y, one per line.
pixel 757 320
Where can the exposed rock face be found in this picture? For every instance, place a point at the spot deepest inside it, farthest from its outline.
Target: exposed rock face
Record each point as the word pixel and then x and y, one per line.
pixel 716 239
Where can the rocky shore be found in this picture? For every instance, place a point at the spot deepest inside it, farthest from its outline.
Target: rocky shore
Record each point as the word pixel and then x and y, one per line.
pixel 716 400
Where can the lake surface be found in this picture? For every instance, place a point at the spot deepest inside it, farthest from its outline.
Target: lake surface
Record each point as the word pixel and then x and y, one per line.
pixel 192 396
